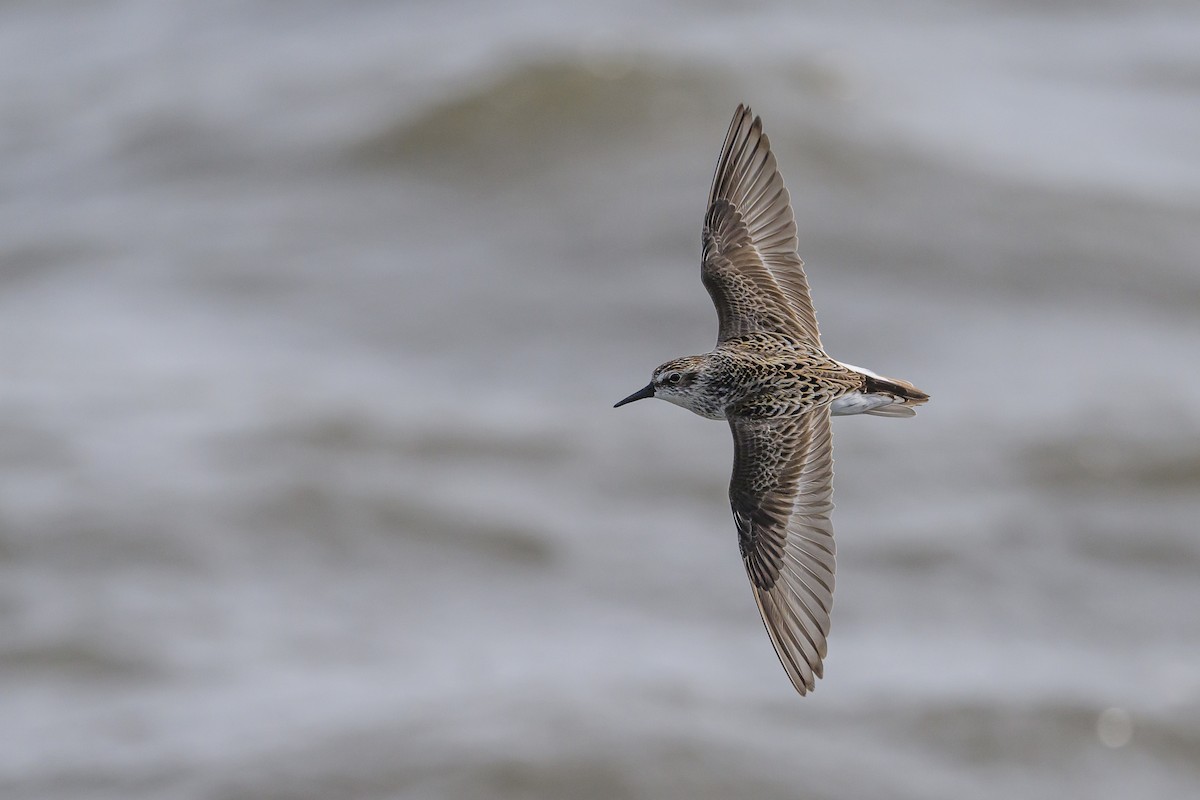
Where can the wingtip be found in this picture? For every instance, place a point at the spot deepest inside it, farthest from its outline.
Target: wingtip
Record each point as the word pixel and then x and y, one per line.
pixel 803 688
pixel 743 112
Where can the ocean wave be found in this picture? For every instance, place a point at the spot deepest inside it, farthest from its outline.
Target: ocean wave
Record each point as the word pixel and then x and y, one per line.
pixel 541 111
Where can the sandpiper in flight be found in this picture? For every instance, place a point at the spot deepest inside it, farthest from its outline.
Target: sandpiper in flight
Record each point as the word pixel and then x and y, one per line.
pixel 771 378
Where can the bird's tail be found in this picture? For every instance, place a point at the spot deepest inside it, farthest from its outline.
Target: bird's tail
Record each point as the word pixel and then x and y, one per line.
pixel 880 397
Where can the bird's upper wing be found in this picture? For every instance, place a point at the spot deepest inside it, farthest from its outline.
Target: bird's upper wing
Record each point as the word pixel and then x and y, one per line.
pixel 750 265
pixel 781 493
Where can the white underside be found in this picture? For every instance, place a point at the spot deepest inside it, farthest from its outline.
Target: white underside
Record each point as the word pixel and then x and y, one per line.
pixel 881 405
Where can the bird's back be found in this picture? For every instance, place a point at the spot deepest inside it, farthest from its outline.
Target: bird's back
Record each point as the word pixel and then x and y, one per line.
pixel 773 376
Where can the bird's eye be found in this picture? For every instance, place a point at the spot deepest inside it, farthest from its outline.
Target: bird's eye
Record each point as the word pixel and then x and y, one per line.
pixel 674 378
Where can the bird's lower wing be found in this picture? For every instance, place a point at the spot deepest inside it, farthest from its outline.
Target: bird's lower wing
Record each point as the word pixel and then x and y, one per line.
pixel 782 498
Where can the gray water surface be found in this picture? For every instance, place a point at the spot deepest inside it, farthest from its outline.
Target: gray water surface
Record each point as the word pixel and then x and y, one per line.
pixel 312 315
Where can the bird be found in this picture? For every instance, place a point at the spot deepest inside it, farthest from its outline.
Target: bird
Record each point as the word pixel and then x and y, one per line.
pixel 771 379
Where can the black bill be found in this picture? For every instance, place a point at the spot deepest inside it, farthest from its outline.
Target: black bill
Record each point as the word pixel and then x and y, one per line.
pixel 640 394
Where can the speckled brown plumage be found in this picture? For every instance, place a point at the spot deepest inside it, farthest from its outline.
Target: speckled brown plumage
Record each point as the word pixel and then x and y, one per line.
pixel 771 378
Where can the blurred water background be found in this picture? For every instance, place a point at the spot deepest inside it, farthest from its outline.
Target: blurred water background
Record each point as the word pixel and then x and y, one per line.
pixel 312 315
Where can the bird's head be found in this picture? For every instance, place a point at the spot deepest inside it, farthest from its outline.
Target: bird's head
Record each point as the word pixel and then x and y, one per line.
pixel 680 381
